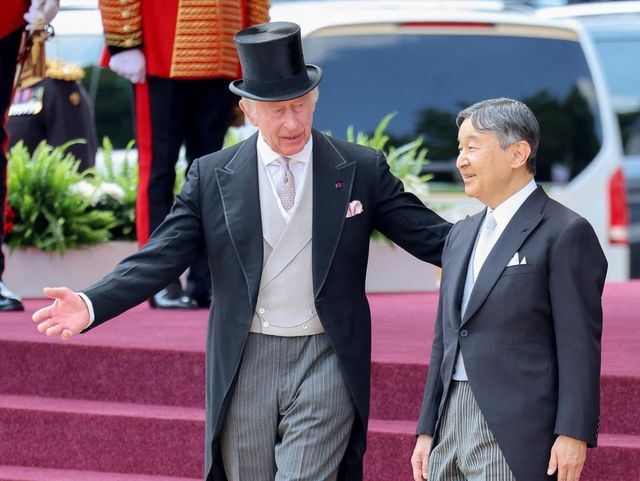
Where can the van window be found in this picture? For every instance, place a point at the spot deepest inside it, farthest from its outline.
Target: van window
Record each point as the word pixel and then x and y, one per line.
pixel 428 78
pixel 620 59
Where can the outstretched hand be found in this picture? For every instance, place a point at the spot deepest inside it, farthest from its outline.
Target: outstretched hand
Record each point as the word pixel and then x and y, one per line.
pixel 68 315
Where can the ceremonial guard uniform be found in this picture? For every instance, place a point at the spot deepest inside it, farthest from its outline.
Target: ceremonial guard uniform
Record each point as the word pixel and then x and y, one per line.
pixel 190 58
pixel 11 28
pixel 56 109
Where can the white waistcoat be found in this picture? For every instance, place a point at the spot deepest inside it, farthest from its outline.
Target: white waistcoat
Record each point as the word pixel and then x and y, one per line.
pixel 285 304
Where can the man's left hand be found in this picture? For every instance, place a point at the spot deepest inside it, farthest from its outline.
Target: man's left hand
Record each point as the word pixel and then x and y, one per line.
pixel 567 457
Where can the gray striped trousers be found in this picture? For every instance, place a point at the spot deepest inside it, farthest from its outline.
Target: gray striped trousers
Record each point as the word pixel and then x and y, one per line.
pixel 291 414
pixel 466 448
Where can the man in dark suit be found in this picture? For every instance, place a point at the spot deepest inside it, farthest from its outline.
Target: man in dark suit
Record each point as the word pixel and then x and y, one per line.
pixel 513 384
pixel 285 218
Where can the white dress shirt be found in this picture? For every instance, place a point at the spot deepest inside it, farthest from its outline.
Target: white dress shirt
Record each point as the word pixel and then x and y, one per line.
pixel 503 215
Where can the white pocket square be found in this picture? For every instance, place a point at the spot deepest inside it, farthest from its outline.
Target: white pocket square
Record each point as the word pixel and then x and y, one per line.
pixel 516 261
pixel 355 208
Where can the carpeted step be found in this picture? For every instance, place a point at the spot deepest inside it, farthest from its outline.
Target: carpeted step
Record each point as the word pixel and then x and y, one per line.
pixel 397 389
pixel 101 436
pixel 176 378
pixel 167 441
pixel 166 370
pixel 103 372
pixel 390 444
pixel 24 473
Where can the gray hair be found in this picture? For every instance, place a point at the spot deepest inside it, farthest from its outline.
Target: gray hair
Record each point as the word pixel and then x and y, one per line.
pixel 509 120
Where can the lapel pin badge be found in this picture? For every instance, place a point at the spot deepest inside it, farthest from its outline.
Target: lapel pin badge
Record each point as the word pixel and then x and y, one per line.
pixel 339 185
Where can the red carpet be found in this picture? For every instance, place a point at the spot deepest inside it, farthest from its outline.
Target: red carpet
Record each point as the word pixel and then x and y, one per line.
pixel 125 402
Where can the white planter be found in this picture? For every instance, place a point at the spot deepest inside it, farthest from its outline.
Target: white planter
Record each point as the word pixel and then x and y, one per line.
pixel 28 271
pixel 391 269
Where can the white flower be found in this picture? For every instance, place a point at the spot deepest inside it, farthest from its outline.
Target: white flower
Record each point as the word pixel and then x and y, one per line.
pixel 85 189
pixel 109 189
pixel 95 194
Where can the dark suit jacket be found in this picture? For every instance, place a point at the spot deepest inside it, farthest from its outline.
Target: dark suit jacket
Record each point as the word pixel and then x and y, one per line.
pixel 219 209
pixel 530 335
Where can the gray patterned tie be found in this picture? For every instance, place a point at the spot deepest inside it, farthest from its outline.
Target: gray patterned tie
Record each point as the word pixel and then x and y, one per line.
pixel 287 185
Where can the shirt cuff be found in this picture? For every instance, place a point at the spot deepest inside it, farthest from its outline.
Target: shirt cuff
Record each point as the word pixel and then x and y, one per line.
pixel 89 304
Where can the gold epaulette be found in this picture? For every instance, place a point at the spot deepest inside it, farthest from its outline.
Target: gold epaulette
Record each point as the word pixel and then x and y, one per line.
pixel 122 22
pixel 59 70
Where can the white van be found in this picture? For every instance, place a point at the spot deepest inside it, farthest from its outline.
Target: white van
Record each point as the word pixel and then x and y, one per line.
pixel 428 60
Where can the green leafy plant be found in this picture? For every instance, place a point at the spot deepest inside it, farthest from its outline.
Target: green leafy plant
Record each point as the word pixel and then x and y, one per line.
pixel 53 207
pixel 49 213
pixel 116 190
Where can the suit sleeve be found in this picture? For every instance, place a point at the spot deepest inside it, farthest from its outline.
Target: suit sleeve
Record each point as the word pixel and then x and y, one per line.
pixel 171 249
pixel 404 219
pixel 577 270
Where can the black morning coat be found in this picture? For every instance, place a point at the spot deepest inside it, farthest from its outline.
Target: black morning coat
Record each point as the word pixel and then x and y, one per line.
pixel 530 336
pixel 219 210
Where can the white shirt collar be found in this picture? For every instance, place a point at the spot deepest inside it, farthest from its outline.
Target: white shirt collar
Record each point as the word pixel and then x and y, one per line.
pixel 507 209
pixel 267 155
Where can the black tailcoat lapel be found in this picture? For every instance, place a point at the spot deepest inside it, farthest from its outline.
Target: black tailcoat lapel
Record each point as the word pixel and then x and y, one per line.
pixel 238 184
pixel 465 240
pixel 332 183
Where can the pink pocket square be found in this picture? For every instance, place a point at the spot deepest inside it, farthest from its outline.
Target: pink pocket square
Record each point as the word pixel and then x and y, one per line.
pixel 355 208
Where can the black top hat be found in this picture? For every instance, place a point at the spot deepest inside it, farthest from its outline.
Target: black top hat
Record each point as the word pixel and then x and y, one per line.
pixel 273 67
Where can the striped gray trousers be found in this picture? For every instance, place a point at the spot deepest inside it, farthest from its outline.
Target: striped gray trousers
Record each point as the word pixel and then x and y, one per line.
pixel 466 448
pixel 291 414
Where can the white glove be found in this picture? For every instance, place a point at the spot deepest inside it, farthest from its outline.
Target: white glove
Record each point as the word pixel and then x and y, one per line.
pixel 130 64
pixel 41 10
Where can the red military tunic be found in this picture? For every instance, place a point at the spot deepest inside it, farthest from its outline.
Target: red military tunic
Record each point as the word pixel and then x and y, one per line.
pixel 186 39
pixel 11 17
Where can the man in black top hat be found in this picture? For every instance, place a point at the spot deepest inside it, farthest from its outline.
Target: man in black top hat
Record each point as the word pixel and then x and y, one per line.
pixel 285 218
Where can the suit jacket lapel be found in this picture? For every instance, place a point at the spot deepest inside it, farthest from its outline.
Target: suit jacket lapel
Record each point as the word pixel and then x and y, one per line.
pixel 238 184
pixel 462 247
pixel 332 183
pixel 519 228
